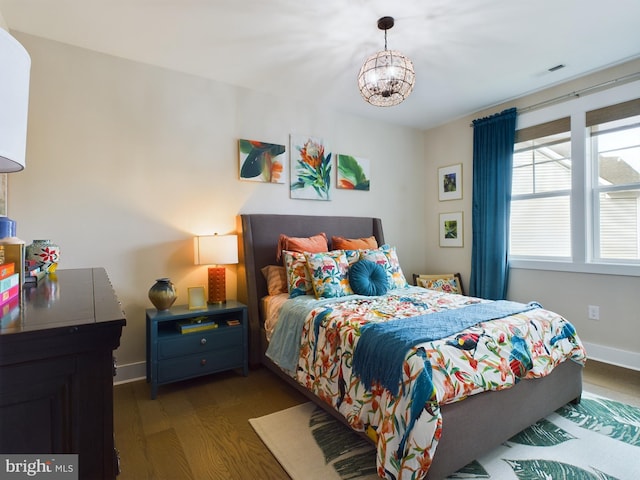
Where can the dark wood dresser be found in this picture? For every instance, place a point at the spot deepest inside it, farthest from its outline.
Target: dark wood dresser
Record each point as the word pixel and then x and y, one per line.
pixel 57 368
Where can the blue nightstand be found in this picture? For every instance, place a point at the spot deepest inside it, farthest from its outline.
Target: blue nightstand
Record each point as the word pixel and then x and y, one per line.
pixel 173 356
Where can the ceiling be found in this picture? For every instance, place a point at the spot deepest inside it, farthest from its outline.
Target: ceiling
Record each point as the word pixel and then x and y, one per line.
pixel 468 54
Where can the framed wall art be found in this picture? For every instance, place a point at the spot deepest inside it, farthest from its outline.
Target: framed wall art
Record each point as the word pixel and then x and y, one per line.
pixel 310 168
pixel 450 182
pixel 353 173
pixel 261 161
pixel 451 232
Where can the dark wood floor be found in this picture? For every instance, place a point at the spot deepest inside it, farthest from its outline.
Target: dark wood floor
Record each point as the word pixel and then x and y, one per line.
pixel 198 429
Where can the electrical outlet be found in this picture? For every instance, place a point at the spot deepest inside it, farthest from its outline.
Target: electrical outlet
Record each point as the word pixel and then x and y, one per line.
pixel 594 312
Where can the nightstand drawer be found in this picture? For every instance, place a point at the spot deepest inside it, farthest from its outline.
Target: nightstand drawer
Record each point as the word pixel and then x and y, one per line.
pixel 190 343
pixel 196 365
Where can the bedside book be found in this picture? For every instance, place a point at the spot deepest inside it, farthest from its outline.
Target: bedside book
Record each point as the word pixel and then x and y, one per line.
pixel 7 269
pixel 196 325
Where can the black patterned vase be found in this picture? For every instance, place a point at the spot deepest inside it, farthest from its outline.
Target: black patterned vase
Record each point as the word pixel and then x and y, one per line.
pixel 163 294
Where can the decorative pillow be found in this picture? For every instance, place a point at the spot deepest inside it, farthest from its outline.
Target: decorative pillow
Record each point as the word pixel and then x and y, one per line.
pixel 368 278
pixel 352 256
pixel 298 278
pixel 448 285
pixel 276 278
pixel 329 274
pixel 341 243
pixel 387 257
pixel 314 244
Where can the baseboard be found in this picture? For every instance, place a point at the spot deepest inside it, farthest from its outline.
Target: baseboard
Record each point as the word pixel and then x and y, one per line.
pixel 613 356
pixel 130 372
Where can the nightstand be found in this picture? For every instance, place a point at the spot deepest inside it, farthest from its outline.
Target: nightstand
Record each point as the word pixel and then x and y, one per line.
pixel 173 356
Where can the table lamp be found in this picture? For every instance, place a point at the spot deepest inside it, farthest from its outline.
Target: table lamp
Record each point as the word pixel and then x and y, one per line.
pixel 216 250
pixel 15 65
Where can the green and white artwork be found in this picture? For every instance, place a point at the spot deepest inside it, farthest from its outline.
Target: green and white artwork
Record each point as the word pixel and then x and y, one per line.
pixel 310 168
pixel 353 173
pixel 261 162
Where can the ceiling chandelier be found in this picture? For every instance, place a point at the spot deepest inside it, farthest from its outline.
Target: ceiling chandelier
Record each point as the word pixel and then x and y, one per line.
pixel 387 77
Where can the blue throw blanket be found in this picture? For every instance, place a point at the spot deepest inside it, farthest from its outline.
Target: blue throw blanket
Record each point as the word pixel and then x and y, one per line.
pixel 284 347
pixel 382 348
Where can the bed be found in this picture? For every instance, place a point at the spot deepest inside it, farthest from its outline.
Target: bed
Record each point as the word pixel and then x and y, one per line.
pixel 469 427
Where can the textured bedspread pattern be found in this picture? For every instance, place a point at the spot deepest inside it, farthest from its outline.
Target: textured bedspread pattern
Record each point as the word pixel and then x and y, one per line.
pixel 490 355
pixel 383 345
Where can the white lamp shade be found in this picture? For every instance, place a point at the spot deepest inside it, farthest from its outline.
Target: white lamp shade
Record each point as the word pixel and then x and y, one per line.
pixel 15 65
pixel 215 250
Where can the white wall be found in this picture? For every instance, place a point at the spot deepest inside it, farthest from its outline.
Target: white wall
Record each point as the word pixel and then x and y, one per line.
pixel 614 337
pixel 127 162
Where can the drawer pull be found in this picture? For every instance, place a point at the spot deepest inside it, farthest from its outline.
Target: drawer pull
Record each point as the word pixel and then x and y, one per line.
pixel 203 362
pixel 203 341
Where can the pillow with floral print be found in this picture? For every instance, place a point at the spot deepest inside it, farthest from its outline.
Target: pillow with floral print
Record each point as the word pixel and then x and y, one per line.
pixel 387 257
pixel 329 274
pixel 352 256
pixel 298 278
pixel 448 285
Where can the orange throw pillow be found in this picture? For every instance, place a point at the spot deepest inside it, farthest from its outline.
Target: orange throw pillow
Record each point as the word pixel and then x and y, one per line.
pixel 314 244
pixel 341 243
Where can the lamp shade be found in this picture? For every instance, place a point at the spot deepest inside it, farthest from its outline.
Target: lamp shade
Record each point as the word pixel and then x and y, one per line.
pixel 215 250
pixel 15 65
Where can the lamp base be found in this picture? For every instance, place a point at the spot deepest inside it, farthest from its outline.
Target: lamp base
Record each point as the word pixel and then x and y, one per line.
pixel 217 286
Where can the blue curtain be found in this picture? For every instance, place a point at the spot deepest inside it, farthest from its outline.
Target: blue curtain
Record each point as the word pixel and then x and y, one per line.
pixel 493 139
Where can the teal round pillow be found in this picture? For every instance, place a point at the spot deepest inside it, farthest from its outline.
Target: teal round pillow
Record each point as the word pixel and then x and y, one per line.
pixel 368 278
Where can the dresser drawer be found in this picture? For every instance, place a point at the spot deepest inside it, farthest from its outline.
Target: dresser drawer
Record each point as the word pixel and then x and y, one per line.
pixel 200 364
pixel 189 343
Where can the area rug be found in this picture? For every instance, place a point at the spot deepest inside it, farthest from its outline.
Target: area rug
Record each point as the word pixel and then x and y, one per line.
pixel 596 440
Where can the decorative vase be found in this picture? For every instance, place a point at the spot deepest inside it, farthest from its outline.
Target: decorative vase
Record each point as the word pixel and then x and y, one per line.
pixel 162 294
pixel 7 227
pixel 44 253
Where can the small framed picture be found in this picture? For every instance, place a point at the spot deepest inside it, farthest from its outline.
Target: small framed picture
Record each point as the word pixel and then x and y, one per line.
pixel 197 299
pixel 450 182
pixel 451 234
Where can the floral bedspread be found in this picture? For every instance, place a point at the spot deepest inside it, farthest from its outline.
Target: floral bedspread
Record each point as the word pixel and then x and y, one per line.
pixel 491 355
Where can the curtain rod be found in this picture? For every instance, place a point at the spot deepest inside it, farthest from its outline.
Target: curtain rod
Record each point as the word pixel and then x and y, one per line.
pixel 577 93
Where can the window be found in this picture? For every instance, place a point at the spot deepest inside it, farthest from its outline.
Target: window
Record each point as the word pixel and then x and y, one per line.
pixel 576 186
pixel 614 147
pixel 541 191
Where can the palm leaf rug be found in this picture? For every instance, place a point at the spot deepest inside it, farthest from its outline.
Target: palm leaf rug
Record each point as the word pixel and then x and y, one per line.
pixel 599 439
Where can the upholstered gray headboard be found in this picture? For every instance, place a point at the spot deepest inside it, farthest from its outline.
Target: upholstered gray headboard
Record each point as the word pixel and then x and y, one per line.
pixel 259 234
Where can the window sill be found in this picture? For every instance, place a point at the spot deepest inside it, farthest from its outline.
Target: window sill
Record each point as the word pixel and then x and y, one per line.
pixel 564 266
